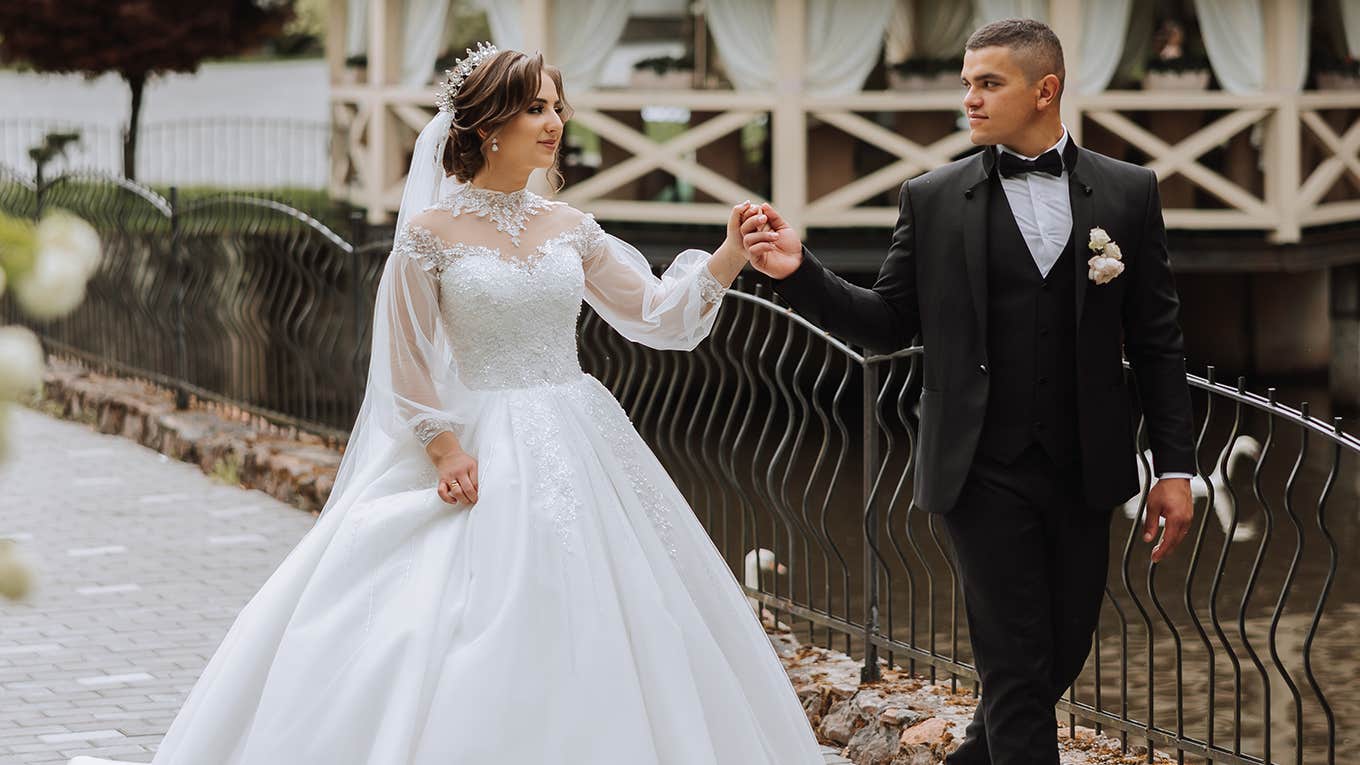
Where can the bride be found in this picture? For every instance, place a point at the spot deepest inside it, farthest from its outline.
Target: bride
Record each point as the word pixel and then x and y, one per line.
pixel 503 573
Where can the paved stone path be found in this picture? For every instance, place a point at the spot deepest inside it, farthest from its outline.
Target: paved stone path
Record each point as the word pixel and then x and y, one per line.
pixel 141 564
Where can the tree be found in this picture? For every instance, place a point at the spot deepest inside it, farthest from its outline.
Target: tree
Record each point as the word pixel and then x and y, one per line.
pixel 135 39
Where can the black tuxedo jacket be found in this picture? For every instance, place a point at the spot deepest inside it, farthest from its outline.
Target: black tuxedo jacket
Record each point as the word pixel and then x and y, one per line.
pixel 934 282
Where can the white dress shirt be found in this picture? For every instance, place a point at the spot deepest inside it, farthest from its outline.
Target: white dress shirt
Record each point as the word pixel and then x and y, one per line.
pixel 1042 208
pixel 1043 212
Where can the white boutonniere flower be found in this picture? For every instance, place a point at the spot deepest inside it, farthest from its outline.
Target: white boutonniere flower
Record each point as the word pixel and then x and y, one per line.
pixel 1107 263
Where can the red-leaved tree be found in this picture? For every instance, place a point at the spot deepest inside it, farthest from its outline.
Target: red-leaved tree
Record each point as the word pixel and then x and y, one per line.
pixel 133 38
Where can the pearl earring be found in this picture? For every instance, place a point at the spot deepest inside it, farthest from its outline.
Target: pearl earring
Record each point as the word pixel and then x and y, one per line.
pixel 494 145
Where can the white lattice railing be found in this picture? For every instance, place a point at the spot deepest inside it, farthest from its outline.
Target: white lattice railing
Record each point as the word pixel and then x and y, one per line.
pixel 1302 150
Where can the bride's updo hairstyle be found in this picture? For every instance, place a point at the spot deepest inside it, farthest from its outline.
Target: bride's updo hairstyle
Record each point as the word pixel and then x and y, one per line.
pixel 496 92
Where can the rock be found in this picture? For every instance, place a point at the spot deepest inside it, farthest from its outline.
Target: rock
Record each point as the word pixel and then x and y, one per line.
pixel 930 732
pixel 841 722
pixel 917 756
pixel 874 744
pixel 900 716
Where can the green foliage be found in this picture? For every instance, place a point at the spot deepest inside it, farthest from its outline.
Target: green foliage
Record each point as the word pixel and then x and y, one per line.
pixel 227 469
pixel 1186 63
pixel 663 64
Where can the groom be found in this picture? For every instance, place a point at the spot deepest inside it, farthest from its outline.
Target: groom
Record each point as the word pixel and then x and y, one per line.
pixel 1026 440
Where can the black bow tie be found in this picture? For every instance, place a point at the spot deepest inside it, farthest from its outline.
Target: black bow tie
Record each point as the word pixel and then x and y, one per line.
pixel 1049 162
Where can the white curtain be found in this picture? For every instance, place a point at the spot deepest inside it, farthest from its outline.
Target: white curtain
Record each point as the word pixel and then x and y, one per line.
pixel 844 41
pixel 995 10
pixel 743 31
pixel 581 57
pixel 1350 21
pixel 928 29
pixel 842 44
pixel 944 27
pixel 898 40
pixel 356 27
pixel 422 35
pixel 503 18
pixel 1104 27
pixel 1104 30
pixel 1235 39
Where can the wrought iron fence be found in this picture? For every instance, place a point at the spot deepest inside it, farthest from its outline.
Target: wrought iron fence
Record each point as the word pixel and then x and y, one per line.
pixel 1233 651
pixel 1237 650
pixel 235 299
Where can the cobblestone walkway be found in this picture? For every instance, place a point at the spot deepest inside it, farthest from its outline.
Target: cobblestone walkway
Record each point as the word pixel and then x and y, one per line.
pixel 141 564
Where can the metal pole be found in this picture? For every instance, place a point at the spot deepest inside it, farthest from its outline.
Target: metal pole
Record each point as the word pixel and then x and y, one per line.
pixel 39 186
pixel 181 277
pixel 870 671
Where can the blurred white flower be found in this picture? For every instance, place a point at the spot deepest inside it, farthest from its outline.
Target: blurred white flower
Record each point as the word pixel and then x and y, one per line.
pixel 63 235
pixel 54 287
pixel 21 362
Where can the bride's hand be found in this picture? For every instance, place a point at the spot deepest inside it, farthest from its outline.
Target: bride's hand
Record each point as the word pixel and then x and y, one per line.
pixel 457 478
pixel 732 246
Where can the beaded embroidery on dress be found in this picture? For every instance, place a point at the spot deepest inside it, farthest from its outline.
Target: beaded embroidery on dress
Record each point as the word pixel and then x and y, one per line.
pixel 580 591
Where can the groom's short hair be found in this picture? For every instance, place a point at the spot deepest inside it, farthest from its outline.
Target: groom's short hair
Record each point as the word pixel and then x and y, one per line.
pixel 1035 47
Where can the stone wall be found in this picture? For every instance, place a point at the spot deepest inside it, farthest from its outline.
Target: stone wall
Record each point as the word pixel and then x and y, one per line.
pixel 294 467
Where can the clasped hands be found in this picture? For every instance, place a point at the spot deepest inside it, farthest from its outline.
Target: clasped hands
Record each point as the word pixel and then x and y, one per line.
pixel 769 243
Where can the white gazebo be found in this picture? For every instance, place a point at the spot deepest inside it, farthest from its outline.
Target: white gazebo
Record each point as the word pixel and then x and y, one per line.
pixel 1289 149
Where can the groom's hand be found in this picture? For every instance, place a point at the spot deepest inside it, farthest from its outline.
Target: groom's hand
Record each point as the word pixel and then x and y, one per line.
pixel 772 245
pixel 1170 499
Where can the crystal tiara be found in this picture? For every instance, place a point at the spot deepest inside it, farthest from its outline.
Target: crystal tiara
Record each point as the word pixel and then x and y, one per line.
pixel 463 67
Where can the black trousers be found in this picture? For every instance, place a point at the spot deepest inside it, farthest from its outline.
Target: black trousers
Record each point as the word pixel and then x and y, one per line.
pixel 1032 559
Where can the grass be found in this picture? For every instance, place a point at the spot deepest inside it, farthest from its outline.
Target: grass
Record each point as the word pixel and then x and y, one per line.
pixel 227 469
pixel 102 202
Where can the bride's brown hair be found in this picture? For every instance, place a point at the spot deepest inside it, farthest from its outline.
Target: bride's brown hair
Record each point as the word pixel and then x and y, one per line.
pixel 495 93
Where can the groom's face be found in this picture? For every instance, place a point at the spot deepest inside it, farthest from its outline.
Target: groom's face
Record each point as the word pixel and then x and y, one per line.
pixel 998 97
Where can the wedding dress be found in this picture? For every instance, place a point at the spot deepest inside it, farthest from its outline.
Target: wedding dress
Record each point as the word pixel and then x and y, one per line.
pixel 577 614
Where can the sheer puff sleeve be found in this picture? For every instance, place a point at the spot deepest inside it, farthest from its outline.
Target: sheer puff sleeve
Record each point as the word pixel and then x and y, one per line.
pixel 413 379
pixel 674 311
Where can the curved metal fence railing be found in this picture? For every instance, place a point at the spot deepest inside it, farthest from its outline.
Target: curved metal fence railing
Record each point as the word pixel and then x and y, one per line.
pixel 796 451
pixel 1233 651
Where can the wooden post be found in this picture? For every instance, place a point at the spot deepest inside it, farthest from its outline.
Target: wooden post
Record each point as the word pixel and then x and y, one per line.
pixel 384 71
pixel 337 22
pixel 536 22
pixel 788 120
pixel 1067 18
pixel 1283 175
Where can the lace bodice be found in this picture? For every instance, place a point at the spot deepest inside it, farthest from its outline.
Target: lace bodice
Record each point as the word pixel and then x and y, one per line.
pixel 509 272
pixel 511 319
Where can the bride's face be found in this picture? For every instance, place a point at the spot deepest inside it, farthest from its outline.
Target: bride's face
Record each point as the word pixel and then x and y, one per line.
pixel 533 137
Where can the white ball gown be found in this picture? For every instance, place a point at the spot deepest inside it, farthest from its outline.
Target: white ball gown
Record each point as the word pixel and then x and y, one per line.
pixel 577 614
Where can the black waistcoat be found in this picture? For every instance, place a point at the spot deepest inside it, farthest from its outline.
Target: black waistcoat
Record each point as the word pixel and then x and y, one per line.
pixel 1031 344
